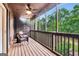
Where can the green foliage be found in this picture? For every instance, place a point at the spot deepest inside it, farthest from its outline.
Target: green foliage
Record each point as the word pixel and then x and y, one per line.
pixel 70 24
pixel 41 24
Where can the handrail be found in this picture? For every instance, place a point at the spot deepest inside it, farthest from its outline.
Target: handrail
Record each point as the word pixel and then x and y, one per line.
pixel 60 33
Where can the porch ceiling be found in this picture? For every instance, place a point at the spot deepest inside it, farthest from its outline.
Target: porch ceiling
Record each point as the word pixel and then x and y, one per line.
pixel 19 9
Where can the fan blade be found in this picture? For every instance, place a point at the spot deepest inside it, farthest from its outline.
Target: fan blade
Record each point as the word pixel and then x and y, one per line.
pixel 34 9
pixel 27 9
pixel 28 5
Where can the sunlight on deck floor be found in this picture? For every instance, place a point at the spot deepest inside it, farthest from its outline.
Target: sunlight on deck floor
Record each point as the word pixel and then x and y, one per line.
pixel 32 48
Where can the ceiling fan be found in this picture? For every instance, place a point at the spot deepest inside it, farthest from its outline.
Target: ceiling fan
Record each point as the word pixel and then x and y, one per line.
pixel 29 9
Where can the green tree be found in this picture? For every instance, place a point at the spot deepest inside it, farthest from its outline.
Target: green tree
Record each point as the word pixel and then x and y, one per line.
pixel 71 24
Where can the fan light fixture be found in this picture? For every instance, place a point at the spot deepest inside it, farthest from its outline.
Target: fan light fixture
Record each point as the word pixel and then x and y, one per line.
pixel 28 12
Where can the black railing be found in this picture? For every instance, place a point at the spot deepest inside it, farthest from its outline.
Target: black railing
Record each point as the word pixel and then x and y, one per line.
pixel 60 43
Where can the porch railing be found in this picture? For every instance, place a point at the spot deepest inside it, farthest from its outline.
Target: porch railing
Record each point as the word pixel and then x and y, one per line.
pixel 60 43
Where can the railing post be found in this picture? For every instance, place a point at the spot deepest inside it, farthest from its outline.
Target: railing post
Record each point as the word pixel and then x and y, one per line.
pixel 68 46
pixel 64 45
pixel 61 44
pixel 78 46
pixel 58 42
pixel 52 41
pixel 55 43
pixel 73 45
pixel 30 33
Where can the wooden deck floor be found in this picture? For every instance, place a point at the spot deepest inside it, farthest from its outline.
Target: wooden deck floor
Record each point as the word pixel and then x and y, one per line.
pixel 32 48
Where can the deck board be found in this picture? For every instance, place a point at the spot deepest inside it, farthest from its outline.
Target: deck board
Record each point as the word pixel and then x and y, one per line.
pixel 25 50
pixel 31 48
pixel 13 52
pixel 22 50
pixel 16 51
pixel 43 49
pixel 38 49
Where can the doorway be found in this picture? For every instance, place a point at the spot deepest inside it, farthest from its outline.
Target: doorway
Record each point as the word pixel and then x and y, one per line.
pixel 0 29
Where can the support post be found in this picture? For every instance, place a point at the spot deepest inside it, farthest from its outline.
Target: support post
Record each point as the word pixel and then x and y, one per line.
pixel 45 22
pixel 57 18
pixel 35 24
